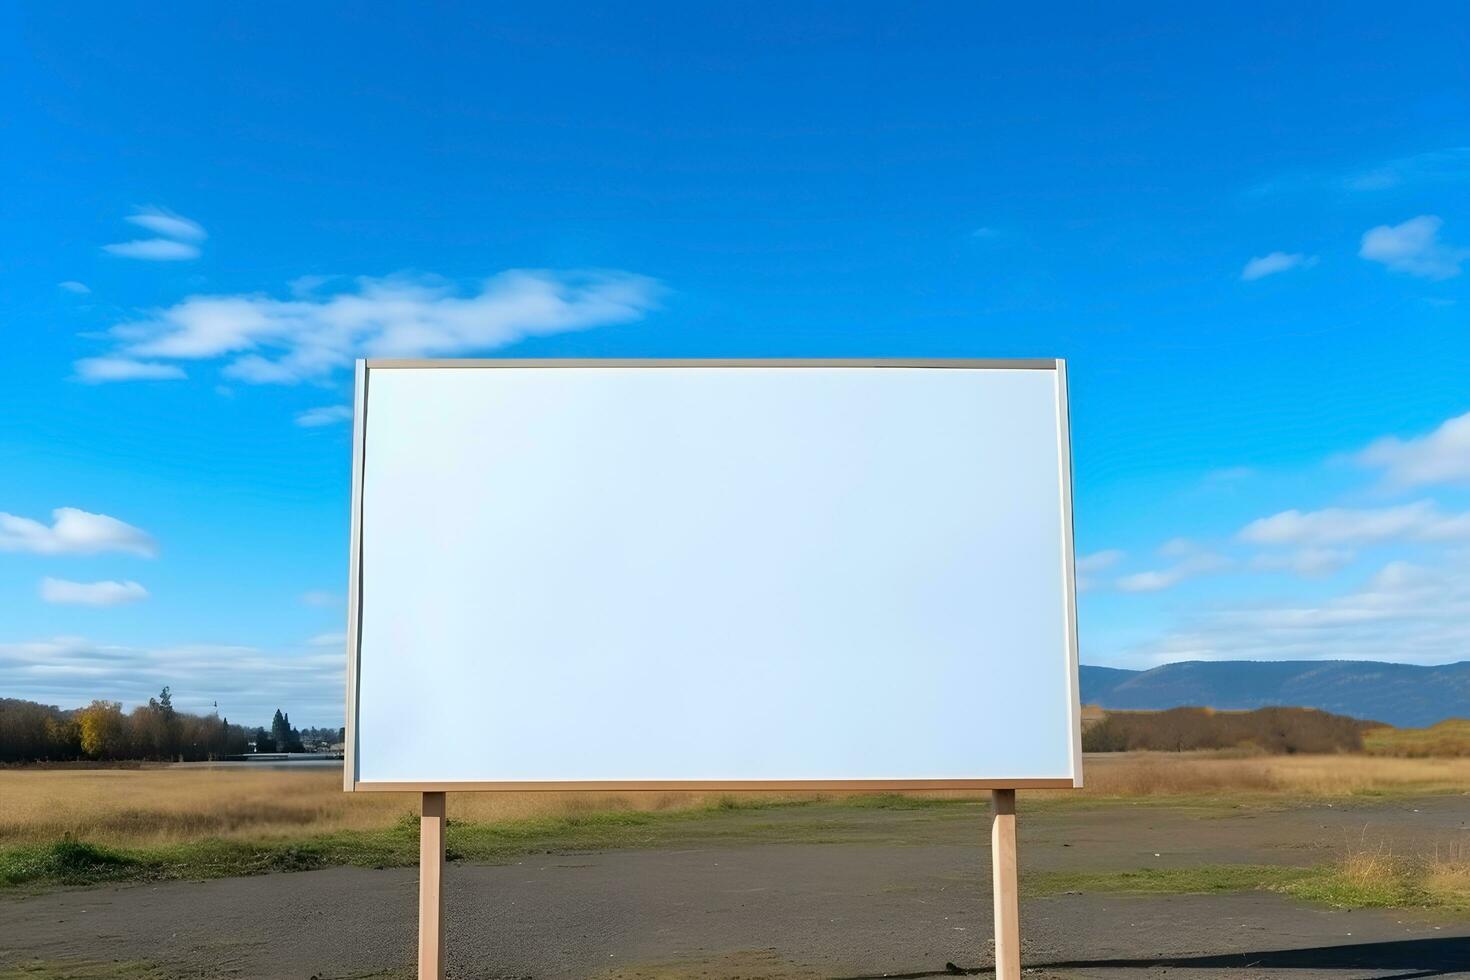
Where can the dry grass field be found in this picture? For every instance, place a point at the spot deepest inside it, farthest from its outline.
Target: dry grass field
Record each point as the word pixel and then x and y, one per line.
pixel 168 804
pixel 1448 739
pixel 1171 774
pixel 175 804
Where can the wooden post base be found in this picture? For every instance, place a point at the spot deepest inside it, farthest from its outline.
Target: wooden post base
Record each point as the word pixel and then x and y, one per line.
pixel 431 887
pixel 1004 884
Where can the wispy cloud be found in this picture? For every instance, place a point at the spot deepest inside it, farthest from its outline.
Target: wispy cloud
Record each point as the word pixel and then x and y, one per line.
pixel 1415 609
pixel 1414 248
pixel 248 683
pixel 74 532
pixel 1157 580
pixel 321 598
pixel 169 224
pixel 1192 560
pixel 1087 566
pixel 72 286
pixel 107 593
pixel 1180 547
pixel 154 250
pixel 178 237
pixel 1269 265
pixel 274 341
pixel 96 370
pixel 328 640
pixel 1307 562
pixel 1448 165
pixel 325 415
pixel 1441 456
pixel 1152 581
pixel 1404 613
pixel 1099 561
pixel 1452 164
pixel 1345 526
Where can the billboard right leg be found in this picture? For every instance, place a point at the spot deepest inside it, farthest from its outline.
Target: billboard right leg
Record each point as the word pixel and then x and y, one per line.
pixel 431 887
pixel 1004 884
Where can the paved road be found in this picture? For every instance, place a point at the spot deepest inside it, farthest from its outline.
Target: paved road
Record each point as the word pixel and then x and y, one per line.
pixel 771 911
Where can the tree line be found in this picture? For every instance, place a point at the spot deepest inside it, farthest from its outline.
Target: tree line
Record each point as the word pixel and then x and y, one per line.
pixel 1278 731
pixel 156 731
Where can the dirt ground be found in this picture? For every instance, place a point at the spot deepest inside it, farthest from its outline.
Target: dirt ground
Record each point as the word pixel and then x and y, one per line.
pixel 905 896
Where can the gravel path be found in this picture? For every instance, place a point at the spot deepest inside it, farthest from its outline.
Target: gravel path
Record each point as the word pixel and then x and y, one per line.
pixel 777 911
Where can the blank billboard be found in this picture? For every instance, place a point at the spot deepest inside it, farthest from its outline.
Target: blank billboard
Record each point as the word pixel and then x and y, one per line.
pixel 711 574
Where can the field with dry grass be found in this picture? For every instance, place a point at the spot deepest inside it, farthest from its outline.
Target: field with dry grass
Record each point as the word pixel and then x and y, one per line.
pixel 1448 739
pixel 175 804
pixel 1210 774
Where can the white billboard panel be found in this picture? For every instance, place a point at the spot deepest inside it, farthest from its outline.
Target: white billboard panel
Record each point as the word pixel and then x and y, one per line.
pixel 720 574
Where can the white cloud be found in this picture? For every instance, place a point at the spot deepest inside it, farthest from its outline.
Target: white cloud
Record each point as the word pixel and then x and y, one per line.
pixel 1419 521
pixel 106 593
pixel 1449 165
pixel 154 250
pixel 72 286
pixel 1441 456
pixel 96 370
pixel 1452 164
pixel 328 640
pixel 1099 561
pixel 326 415
pixel 1179 548
pixel 288 341
pixel 1154 581
pixel 162 221
pixel 247 682
pixel 1404 613
pixel 1193 561
pixel 1086 566
pixel 1308 562
pixel 321 598
pixel 1268 265
pixel 303 286
pixel 73 532
pixel 1413 248
pixel 178 237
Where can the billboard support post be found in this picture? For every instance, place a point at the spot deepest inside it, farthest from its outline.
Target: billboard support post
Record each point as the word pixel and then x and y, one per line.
pixel 431 887
pixel 1004 885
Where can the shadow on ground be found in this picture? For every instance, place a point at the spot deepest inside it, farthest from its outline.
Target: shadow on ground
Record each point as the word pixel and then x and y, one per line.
pixel 1420 958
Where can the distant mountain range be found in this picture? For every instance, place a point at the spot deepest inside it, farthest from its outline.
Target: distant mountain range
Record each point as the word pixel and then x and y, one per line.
pixel 1402 695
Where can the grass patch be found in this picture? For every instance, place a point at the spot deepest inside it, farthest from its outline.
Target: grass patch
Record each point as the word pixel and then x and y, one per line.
pixel 730 802
pixel 65 862
pixel 1360 880
pixel 1448 874
pixel 69 862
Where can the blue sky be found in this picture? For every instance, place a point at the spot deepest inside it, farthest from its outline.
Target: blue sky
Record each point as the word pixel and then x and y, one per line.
pixel 1247 231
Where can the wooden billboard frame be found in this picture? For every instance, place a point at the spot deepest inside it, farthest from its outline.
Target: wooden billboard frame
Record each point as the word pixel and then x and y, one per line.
pixel 432 792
